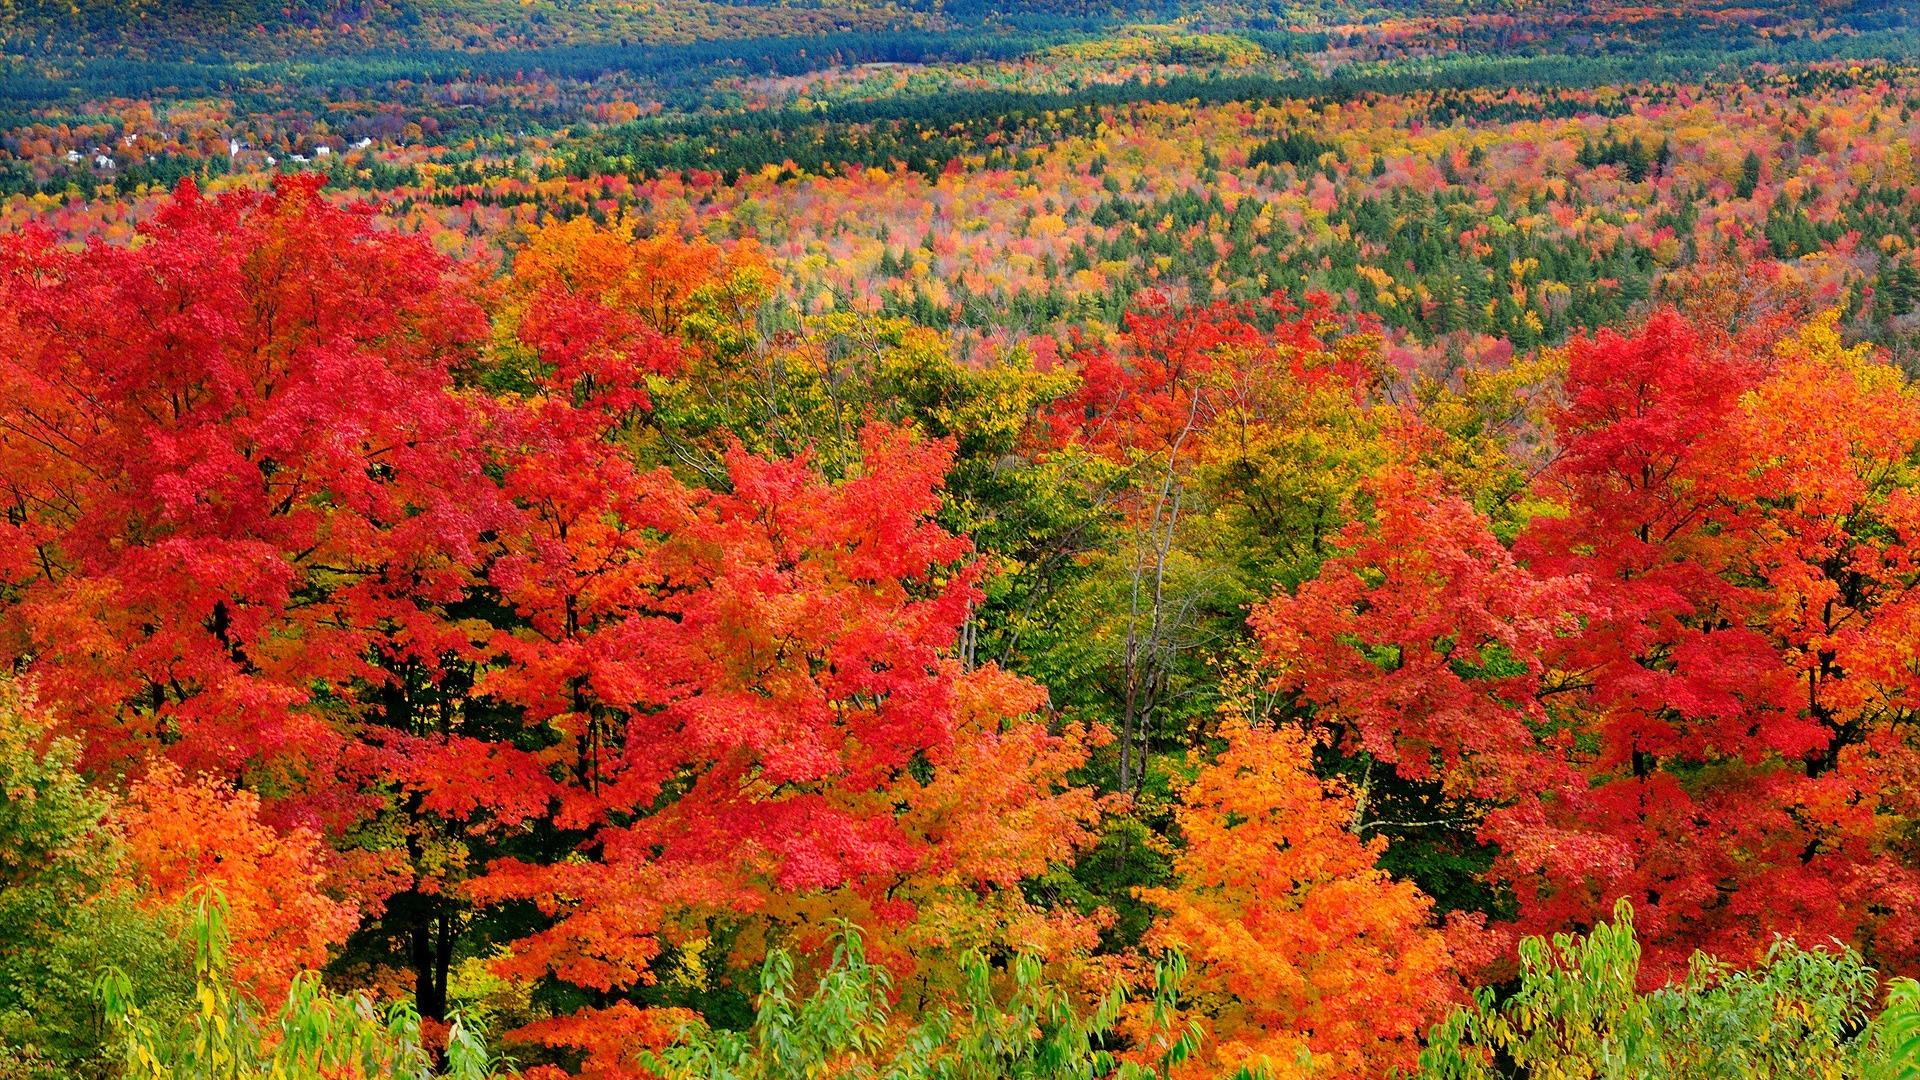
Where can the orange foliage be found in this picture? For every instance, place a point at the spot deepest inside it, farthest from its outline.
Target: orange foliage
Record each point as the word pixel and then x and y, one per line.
pixel 1301 947
pixel 652 278
pixel 183 834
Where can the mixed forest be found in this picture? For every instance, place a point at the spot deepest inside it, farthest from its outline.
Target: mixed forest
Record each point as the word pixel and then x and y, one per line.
pixel 832 539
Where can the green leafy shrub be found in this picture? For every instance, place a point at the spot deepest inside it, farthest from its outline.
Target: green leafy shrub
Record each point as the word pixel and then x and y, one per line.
pixel 1578 1015
pixel 315 1035
pixel 1034 1032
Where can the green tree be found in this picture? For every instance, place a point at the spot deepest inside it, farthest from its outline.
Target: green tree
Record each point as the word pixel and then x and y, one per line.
pixel 1749 175
pixel 64 910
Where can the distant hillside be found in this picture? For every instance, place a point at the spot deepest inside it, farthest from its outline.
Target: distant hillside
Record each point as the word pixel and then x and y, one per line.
pixel 288 27
pixel 1792 16
pixel 281 28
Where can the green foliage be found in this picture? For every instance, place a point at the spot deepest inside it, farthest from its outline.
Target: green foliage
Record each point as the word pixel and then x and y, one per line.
pixel 1172 1038
pixel 1578 1015
pixel 1898 1031
pixel 315 1034
pixel 61 916
pixel 1007 1025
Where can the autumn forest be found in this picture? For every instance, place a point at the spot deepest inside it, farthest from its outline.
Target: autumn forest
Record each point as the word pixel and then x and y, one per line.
pixel 929 540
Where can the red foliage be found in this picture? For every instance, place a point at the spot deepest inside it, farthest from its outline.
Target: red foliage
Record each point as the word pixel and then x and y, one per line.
pixel 1424 641
pixel 259 523
pixel 1708 800
pixel 238 478
pixel 1173 370
pixel 1691 694
pixel 739 679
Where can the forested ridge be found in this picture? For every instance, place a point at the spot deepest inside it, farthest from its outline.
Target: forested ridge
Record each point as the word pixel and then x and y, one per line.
pixel 839 540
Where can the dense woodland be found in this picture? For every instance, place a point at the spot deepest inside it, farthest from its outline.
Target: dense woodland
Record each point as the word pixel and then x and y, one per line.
pixel 691 540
